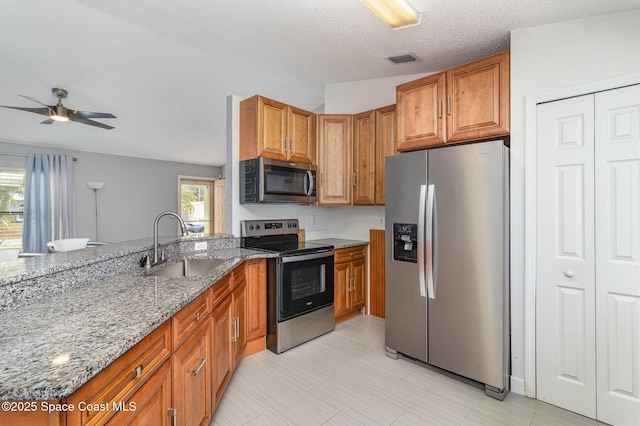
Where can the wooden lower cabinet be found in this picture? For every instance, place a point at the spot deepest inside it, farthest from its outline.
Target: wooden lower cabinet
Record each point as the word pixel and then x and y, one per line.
pixel 376 273
pixel 256 293
pixel 151 404
pixel 239 331
pixel 116 385
pixel 221 350
pixel 192 378
pixel 178 373
pixel 350 281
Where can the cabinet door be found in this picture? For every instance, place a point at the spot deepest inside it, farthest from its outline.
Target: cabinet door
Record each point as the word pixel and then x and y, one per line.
pixel 256 299
pixel 192 378
pixel 221 350
pixel 364 158
pixel 272 128
pixel 420 113
pixel 301 135
pixel 335 137
pixel 239 324
pixel 149 406
pixel 357 294
pixel 478 99
pixel 341 277
pixel 385 146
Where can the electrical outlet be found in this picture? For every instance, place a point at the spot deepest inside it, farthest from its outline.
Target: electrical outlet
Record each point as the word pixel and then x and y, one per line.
pixel 200 245
pixel 380 220
pixel 314 220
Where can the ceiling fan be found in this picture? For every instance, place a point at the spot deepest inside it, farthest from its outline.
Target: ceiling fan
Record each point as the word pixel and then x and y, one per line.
pixel 59 113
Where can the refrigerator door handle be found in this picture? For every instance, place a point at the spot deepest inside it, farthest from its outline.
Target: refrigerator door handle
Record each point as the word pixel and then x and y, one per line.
pixel 421 212
pixel 431 196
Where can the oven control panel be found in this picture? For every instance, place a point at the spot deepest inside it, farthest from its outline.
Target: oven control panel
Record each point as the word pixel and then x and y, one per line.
pixel 259 228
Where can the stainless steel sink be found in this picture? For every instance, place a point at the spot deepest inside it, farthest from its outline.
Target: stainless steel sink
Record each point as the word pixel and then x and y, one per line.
pixel 186 268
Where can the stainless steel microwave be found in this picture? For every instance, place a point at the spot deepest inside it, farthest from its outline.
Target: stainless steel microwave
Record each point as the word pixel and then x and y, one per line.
pixel 264 180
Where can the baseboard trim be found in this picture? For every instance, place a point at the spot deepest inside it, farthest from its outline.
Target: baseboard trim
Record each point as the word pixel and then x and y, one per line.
pixel 517 385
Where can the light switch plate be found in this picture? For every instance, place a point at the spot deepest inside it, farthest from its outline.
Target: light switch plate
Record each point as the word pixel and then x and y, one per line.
pixel 201 245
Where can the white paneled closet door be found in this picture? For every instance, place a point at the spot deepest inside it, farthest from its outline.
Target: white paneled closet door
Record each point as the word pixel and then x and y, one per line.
pixel 588 255
pixel 565 289
pixel 617 213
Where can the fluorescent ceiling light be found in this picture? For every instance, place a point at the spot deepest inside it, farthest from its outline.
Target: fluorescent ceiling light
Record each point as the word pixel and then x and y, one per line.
pixel 396 13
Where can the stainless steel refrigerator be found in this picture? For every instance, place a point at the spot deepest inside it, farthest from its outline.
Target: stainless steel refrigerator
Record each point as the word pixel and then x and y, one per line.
pixel 447 260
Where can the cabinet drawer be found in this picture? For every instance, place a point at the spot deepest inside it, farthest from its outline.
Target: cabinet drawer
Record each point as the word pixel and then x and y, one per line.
pixel 220 290
pixel 119 381
pixel 189 318
pixel 349 253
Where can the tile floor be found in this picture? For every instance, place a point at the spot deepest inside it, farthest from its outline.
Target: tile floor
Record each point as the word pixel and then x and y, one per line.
pixel 344 378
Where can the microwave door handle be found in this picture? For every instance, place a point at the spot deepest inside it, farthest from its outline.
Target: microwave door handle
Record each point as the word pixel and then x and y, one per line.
pixel 308 187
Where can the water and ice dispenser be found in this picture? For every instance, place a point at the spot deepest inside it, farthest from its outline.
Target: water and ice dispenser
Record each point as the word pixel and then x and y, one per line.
pixel 405 242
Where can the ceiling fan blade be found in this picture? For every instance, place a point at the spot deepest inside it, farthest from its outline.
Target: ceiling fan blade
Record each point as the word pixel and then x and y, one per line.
pixel 43 111
pixel 36 101
pixel 89 114
pixel 49 121
pixel 83 120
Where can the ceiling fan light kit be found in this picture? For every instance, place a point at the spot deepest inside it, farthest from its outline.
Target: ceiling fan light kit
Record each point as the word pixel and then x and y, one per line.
pixel 59 113
pixel 396 13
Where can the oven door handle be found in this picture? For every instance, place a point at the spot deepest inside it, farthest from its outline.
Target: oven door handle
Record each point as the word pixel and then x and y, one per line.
pixel 302 257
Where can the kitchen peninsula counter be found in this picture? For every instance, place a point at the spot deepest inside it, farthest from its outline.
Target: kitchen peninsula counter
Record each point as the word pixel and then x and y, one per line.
pixel 53 345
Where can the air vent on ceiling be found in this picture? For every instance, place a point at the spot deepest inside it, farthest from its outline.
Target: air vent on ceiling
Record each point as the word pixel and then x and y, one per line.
pixel 404 58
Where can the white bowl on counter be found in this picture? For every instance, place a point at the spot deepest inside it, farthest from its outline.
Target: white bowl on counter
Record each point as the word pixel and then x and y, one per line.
pixel 68 244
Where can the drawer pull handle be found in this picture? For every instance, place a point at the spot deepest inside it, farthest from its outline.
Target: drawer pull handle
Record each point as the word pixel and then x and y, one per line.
pixel 173 413
pixel 197 370
pixel 198 316
pixel 233 323
pixel 139 370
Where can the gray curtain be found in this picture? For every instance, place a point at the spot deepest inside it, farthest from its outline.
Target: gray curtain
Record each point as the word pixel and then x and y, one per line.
pixel 49 201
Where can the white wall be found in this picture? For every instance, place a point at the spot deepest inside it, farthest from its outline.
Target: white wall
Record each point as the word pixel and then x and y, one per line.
pixel 358 96
pixel 135 191
pixel 546 59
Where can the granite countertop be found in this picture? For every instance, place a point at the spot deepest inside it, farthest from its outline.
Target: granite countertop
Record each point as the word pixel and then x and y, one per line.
pixel 339 243
pixel 51 347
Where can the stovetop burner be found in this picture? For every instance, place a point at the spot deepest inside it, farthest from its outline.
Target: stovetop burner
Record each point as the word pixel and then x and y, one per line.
pixel 277 236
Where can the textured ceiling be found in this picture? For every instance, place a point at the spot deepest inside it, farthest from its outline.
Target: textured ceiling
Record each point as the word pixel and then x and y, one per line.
pixel 165 68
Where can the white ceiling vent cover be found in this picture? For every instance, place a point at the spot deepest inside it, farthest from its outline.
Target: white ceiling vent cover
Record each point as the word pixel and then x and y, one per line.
pixel 404 58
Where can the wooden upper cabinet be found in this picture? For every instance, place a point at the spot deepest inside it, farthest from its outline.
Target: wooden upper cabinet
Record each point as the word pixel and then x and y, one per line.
pixel 364 158
pixel 465 103
pixel 385 146
pixel 420 113
pixel 479 95
pixel 335 138
pixel 276 130
pixel 301 135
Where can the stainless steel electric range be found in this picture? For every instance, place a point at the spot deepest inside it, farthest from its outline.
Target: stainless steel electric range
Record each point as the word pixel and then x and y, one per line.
pixel 299 282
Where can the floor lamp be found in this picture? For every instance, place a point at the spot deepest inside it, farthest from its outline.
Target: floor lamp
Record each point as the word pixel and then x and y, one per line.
pixel 95 186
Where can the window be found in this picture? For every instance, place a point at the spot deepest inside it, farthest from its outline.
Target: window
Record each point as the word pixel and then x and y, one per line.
pixel 11 208
pixel 196 199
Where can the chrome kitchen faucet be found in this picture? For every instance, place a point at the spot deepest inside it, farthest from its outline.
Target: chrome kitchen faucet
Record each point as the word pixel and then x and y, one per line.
pixel 155 235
